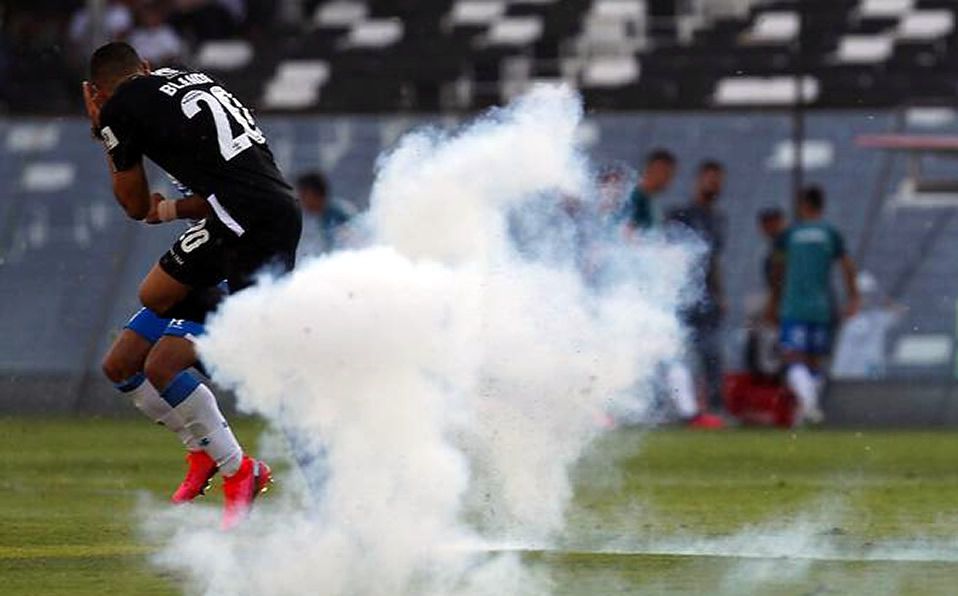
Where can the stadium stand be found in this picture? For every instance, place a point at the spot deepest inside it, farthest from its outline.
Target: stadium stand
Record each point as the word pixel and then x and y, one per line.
pixel 374 55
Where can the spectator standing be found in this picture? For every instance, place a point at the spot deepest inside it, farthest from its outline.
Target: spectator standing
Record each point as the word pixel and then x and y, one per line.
pixel 802 299
pixel 324 219
pixel 154 39
pixel 704 318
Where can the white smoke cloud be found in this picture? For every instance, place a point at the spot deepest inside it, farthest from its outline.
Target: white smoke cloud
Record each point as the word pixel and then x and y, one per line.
pixel 822 546
pixel 439 383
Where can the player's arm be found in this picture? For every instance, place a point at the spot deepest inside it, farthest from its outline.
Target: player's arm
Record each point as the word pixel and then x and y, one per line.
pixel 132 190
pixel 775 295
pixel 850 273
pixel 113 126
pixel 163 209
pixel 777 280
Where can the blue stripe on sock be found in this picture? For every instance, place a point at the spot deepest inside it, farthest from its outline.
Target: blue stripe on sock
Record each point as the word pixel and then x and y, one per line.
pixel 180 388
pixel 131 383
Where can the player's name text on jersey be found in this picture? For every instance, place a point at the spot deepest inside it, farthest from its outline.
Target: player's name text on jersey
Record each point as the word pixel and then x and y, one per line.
pixel 187 80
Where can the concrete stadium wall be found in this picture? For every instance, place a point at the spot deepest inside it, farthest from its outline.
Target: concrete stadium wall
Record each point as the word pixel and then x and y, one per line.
pixel 70 262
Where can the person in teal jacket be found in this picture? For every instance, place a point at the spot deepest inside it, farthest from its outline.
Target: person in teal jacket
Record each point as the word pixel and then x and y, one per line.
pixel 802 300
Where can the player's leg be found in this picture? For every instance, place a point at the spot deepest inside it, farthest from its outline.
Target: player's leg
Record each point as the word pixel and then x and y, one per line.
pixel 184 286
pixel 167 367
pixel 161 292
pixel 197 261
pixel 273 251
pixel 681 389
pixel 244 477
pixel 799 378
pixel 711 357
pixel 819 350
pixel 123 365
pixel 202 257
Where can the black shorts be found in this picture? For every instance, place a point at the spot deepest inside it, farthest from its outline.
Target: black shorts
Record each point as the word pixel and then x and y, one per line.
pixel 209 253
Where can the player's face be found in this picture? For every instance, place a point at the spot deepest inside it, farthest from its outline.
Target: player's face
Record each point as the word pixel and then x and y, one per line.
pixel 773 226
pixel 710 184
pixel 312 201
pixel 806 211
pixel 659 175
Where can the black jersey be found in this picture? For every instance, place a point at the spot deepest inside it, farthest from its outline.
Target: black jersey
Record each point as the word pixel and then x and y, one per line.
pixel 193 128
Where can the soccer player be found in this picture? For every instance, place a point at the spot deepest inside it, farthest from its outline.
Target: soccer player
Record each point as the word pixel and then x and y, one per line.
pixel 642 210
pixel 802 299
pixel 704 217
pixel 248 220
pixel 643 213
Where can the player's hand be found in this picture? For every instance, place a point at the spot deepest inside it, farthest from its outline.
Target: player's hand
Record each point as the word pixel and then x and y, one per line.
pixel 153 216
pixel 91 99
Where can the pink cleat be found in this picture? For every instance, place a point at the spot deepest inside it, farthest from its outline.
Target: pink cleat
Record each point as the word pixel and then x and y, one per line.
pixel 201 470
pixel 241 489
pixel 707 421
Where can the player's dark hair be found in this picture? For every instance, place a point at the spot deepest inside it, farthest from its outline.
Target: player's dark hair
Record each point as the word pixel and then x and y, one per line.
pixel 313 181
pixel 711 165
pixel 813 197
pixel 663 155
pixel 770 214
pixel 112 62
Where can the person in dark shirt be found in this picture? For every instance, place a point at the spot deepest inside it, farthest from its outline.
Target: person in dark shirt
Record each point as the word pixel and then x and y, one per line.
pixel 762 355
pixel 704 318
pixel 642 212
pixel 248 219
pixel 771 222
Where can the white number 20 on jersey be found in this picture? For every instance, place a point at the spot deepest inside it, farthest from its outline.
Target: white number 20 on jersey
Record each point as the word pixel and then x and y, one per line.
pixel 223 106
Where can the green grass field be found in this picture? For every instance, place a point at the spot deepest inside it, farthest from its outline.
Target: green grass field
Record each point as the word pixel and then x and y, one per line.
pixel 740 512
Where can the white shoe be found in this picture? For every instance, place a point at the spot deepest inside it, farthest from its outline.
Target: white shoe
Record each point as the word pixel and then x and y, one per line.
pixel 811 416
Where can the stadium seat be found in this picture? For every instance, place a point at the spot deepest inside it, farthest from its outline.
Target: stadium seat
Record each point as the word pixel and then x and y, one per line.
pixel 610 71
pixel 773 27
pixel 885 8
pixel 864 49
pixel 766 91
pixel 378 33
pixel 926 25
pixel 296 84
pixel 224 55
pixel 515 31
pixel 477 12
pixel 341 13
